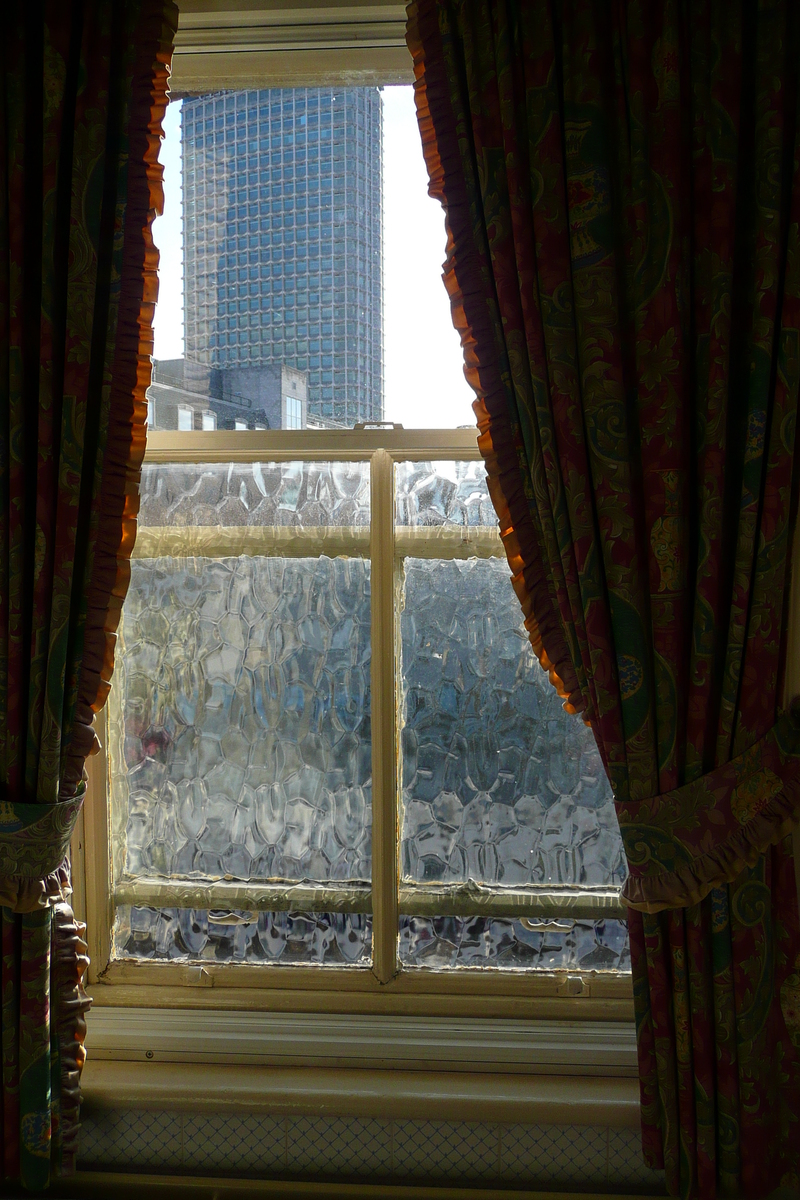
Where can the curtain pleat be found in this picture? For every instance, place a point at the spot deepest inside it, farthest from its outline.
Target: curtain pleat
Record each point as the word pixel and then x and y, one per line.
pixel 621 186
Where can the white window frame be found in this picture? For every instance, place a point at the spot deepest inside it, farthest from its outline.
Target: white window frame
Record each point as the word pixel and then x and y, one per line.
pixel 288 404
pixel 185 410
pixel 386 987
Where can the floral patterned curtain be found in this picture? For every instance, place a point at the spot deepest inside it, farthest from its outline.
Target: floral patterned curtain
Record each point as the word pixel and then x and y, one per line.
pixel 82 95
pixel 622 192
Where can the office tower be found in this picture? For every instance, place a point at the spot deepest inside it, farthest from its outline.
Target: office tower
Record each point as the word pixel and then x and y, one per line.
pixel 282 219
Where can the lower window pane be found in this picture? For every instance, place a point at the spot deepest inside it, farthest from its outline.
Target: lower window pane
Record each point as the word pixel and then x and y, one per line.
pixel 447 942
pixel 276 938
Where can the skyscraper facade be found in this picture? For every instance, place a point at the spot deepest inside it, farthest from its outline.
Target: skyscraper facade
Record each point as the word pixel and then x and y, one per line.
pixel 282 219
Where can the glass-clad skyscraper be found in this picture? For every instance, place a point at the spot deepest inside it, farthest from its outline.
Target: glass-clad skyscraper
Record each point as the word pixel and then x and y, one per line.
pixel 282 214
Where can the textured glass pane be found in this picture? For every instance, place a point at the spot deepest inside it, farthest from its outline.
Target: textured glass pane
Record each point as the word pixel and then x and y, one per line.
pixel 442 493
pixel 240 720
pixel 182 933
pixel 500 785
pixel 447 942
pixel 292 494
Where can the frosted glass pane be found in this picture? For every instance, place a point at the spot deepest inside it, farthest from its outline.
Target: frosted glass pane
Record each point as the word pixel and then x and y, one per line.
pixel 447 942
pixel 293 494
pixel 332 939
pixel 442 493
pixel 500 785
pixel 241 720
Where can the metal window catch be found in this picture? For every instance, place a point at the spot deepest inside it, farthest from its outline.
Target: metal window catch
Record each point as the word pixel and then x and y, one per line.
pixel 573 985
pixel 377 425
pixel 199 977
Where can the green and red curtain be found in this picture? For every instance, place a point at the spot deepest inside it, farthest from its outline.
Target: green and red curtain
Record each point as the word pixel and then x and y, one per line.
pixel 621 183
pixel 83 92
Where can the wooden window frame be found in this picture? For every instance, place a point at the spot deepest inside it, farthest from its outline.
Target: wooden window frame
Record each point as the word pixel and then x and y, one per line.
pixel 386 987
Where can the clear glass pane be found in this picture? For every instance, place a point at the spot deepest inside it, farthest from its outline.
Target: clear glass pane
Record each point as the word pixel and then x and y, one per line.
pixel 285 265
pixel 240 740
pixel 175 934
pixel 442 494
pixel 300 495
pixel 499 784
pixel 446 942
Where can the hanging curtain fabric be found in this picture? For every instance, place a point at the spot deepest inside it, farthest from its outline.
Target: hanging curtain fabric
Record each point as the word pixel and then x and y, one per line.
pixel 622 193
pixel 83 93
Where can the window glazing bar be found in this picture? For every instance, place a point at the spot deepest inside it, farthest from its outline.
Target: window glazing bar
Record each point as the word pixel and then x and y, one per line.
pixel 225 896
pixel 280 541
pixel 448 541
pixel 311 445
pixel 419 900
pixel 471 899
pixel 383 717
pixel 264 541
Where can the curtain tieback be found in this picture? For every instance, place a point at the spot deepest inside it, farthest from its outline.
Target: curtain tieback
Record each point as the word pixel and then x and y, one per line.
pixel 34 842
pixel 683 843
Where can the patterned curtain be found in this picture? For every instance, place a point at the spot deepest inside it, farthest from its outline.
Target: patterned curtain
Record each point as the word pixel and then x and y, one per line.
pixel 622 193
pixel 82 96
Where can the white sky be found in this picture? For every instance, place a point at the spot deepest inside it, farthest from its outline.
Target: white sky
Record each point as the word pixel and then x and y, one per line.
pixel 425 385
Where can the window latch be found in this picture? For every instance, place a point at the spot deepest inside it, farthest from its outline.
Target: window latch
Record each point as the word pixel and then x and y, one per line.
pixel 377 425
pixel 573 985
pixel 199 977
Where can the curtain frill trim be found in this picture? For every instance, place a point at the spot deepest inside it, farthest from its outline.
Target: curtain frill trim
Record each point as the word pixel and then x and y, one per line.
pixel 131 377
pixel 69 963
pixel 28 895
pixel 498 440
pixel 118 510
pixel 691 882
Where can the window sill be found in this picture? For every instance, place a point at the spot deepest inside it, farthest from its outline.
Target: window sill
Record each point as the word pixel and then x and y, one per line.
pixel 365 1042
pixel 367 1092
pixel 538 1072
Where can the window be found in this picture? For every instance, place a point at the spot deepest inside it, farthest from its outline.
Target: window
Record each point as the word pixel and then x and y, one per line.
pixel 293 413
pixel 151 412
pixel 209 420
pixel 282 648
pixel 185 418
pixel 333 762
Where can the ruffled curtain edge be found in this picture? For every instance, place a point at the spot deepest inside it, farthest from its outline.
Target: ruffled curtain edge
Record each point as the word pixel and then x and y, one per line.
pixel 118 509
pixel 131 377
pixel 498 439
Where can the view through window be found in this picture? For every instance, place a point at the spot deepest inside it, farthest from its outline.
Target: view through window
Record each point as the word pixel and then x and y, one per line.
pixel 300 290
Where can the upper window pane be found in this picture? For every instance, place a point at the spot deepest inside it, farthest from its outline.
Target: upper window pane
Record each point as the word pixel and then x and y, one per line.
pixel 269 243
